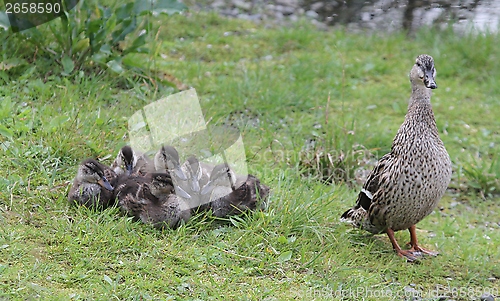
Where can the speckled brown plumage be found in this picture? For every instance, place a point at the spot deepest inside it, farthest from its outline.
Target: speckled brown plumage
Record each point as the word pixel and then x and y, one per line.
pixel 407 183
pixel 93 185
pixel 130 162
pixel 229 196
pixel 152 200
pixel 249 196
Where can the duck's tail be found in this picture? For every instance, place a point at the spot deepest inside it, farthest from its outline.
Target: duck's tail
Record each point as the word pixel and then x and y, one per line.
pixel 354 216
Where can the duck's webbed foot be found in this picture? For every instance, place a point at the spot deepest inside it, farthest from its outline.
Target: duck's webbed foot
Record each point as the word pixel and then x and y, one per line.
pixel 415 248
pixel 411 255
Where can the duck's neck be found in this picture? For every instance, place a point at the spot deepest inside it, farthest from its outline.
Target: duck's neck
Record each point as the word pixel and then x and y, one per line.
pixel 420 109
pixel 420 95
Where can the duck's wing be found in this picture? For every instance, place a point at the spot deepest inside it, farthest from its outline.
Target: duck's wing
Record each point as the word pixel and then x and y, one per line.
pixel 366 198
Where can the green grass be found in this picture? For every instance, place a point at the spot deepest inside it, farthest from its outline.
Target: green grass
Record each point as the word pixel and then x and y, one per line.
pixel 274 84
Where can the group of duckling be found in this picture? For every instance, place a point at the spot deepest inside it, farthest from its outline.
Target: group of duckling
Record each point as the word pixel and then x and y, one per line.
pixel 403 188
pixel 163 192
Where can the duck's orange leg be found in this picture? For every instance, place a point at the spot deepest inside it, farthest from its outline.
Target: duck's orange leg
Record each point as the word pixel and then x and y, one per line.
pixel 408 254
pixel 414 243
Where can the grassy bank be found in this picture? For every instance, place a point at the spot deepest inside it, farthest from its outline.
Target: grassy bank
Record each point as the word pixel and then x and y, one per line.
pixel 290 91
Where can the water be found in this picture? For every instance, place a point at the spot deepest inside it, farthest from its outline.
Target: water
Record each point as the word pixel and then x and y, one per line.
pixel 387 15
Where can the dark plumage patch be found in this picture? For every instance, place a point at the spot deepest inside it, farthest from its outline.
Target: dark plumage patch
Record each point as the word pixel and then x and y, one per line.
pixel 364 200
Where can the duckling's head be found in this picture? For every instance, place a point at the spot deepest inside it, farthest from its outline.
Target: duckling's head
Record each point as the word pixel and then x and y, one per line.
pixel 126 158
pixel 167 158
pixel 423 72
pixel 91 171
pixel 194 172
pixel 161 184
pixel 221 175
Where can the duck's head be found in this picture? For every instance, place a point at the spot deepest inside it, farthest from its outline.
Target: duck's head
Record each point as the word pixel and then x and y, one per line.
pixel 221 175
pixel 167 159
pixel 424 72
pixel 91 171
pixel 126 158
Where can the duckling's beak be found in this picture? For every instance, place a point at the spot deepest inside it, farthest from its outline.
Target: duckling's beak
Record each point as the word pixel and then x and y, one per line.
pixel 104 183
pixel 129 168
pixel 429 81
pixel 181 192
pixel 207 188
pixel 179 173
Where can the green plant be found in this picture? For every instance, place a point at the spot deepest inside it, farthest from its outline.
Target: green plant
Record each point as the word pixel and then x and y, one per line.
pixel 94 37
pixel 483 172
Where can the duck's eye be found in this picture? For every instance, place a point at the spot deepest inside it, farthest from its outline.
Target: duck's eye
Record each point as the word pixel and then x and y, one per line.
pixel 418 64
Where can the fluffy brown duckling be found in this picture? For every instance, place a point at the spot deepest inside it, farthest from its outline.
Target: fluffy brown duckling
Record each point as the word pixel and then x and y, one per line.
pixel 130 162
pixel 197 177
pixel 228 198
pixel 167 160
pixel 151 199
pixel 92 186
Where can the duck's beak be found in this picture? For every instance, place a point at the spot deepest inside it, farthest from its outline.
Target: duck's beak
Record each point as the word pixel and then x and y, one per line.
pixel 104 183
pixel 429 81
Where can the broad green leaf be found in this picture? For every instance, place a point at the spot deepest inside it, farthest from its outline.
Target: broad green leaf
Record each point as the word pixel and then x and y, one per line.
pixel 115 66
pixel 106 49
pixel 100 58
pixel 282 240
pixel 140 41
pixel 125 11
pixel 285 256
pixel 81 45
pixel 110 25
pixel 68 65
pixel 132 60
pixel 126 27
pixel 6 132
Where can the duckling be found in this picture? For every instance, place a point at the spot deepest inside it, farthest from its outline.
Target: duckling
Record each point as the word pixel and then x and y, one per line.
pixel 407 183
pixel 196 172
pixel 197 177
pixel 130 162
pixel 167 160
pixel 228 198
pixel 151 199
pixel 91 186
